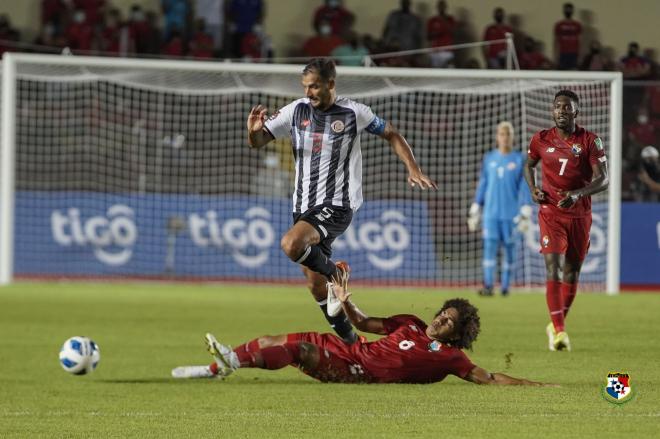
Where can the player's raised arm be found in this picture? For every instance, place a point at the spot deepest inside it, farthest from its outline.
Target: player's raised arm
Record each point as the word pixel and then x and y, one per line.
pixel 403 150
pixel 481 376
pixel 364 323
pixel 257 135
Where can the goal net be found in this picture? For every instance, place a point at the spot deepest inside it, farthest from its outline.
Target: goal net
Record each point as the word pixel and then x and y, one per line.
pixel 119 168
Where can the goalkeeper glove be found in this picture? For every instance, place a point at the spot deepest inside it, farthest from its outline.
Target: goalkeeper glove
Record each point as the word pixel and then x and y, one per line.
pixel 474 217
pixel 524 219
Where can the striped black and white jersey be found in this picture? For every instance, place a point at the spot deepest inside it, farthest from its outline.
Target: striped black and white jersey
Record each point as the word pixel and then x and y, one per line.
pixel 326 148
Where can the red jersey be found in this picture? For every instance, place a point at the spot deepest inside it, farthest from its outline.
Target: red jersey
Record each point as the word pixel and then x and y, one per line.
pixel 532 60
pixel 567 34
pixel 496 32
pixel 566 166
pixel 408 355
pixel 653 93
pixel 440 30
pixel 80 36
pixel 642 133
pixel 338 18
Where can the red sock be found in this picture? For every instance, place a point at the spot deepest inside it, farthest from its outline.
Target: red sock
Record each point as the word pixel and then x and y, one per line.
pixel 250 346
pixel 555 304
pixel 568 292
pixel 273 357
pixel 246 352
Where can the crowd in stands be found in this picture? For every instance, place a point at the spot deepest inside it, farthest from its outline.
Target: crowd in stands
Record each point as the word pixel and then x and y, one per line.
pixel 214 29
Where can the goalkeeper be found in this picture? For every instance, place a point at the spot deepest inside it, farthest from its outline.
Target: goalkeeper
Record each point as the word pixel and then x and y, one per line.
pixel 501 203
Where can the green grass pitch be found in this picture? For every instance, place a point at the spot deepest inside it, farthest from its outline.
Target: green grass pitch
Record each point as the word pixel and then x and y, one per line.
pixel 144 330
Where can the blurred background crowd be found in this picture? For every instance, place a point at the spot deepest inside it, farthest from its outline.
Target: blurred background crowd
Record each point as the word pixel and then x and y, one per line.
pixel 235 29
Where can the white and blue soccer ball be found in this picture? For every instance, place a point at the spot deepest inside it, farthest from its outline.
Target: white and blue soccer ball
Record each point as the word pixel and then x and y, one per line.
pixel 79 355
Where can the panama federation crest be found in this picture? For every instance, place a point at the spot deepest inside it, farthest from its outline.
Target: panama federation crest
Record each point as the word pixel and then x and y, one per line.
pixel 618 389
pixel 435 346
pixel 545 241
pixel 576 149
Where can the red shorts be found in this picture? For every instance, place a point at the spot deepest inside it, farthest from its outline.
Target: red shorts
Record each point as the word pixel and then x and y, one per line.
pixel 564 235
pixel 336 362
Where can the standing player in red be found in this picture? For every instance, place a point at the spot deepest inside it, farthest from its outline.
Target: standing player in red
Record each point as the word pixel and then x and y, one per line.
pixel 410 351
pixel 574 168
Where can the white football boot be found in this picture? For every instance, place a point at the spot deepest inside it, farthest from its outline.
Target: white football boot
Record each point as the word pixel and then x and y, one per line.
pixel 225 358
pixel 333 304
pixel 550 331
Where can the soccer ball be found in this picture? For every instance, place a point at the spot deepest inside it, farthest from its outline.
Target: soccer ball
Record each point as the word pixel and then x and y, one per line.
pixel 79 355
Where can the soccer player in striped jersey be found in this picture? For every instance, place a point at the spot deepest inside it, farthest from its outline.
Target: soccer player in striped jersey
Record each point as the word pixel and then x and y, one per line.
pixel 574 168
pixel 505 200
pixel 325 132
pixel 409 351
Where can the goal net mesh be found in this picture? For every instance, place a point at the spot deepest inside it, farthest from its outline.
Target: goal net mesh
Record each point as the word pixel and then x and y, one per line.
pixel 135 172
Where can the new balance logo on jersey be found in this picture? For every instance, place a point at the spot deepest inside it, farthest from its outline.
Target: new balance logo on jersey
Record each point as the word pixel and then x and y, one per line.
pixel 549 150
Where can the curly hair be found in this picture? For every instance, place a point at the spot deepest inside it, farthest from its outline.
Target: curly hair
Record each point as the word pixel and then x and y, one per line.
pixel 468 324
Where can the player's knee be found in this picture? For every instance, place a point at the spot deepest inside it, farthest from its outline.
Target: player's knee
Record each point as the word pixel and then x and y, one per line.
pixel 267 341
pixel 570 277
pixel 552 271
pixel 292 247
pixel 309 355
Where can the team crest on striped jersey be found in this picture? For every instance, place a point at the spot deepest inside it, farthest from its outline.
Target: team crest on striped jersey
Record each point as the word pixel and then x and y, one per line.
pixel 337 126
pixel 618 389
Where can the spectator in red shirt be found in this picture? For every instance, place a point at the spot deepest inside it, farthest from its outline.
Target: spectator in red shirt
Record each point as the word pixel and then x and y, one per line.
pixel 496 53
pixel 635 66
pixel 52 11
pixel 642 132
pixel 139 29
pixel 93 10
pixel 567 40
pixel 201 43
pixel 323 43
pixel 256 44
pixel 652 102
pixel 174 46
pixel 333 12
pixel 440 31
pixel 110 36
pixel 532 58
pixel 79 33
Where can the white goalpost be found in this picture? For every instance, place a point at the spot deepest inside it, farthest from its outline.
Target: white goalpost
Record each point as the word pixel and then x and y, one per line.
pixel 125 168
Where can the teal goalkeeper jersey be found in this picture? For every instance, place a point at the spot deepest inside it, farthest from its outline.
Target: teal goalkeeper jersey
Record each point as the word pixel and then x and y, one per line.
pixel 502 188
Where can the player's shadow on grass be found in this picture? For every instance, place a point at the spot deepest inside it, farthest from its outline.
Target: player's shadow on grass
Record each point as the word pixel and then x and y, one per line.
pixel 243 382
pixel 158 380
